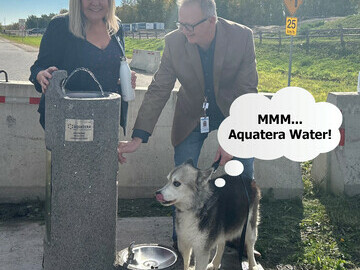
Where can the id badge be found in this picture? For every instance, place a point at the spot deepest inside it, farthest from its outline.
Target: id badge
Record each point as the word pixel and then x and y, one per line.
pixel 204 124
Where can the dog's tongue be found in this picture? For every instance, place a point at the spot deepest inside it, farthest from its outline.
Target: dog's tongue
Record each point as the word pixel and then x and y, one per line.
pixel 160 197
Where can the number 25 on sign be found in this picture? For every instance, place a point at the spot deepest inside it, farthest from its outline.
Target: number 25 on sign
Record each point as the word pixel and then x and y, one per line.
pixel 291 26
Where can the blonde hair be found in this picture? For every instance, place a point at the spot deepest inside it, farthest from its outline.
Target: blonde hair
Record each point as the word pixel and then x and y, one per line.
pixel 78 24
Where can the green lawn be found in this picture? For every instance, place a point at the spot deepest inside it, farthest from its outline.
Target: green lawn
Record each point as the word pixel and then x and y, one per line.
pixel 327 68
pixel 352 21
pixel 28 40
pixel 318 232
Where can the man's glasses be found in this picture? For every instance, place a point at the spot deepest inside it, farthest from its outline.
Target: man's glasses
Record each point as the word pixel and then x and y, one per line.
pixel 189 27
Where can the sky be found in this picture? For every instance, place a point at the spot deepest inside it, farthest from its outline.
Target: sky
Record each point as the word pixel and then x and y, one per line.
pixel 13 10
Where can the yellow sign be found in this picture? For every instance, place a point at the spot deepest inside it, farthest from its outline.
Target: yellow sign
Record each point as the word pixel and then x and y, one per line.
pixel 291 26
pixel 292 5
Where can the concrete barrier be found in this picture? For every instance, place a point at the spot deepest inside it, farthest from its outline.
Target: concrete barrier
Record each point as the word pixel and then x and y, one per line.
pixel 339 170
pixel 145 60
pixel 147 168
pixel 22 150
pixel 22 155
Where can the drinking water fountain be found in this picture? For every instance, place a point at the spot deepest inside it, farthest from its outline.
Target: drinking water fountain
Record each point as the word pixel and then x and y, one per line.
pixel 81 138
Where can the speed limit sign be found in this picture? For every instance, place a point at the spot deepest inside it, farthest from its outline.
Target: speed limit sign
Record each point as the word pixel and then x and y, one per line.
pixel 291 26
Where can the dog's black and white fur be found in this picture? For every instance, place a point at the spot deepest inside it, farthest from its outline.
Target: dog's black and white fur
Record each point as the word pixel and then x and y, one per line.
pixel 207 216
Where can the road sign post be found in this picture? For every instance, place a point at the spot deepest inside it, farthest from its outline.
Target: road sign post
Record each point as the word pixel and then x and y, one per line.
pixel 22 23
pixel 291 27
pixel 290 61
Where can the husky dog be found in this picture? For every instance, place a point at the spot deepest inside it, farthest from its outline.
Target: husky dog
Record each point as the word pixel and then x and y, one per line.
pixel 207 216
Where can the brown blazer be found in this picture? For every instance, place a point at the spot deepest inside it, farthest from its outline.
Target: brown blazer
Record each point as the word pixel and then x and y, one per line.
pixel 234 75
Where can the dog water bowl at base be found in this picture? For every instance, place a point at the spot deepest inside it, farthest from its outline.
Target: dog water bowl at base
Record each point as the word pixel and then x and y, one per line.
pixel 148 256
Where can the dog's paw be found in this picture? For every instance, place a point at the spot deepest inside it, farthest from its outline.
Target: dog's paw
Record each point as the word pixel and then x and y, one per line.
pixel 211 267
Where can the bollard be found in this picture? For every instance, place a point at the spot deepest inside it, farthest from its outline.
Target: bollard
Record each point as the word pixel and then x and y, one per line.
pixel 81 136
pixel 338 171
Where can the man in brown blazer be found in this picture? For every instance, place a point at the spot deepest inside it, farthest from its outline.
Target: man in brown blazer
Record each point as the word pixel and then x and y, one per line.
pixel 214 61
pixel 233 74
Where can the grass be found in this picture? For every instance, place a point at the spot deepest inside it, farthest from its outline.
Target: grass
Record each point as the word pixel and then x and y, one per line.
pixel 28 40
pixel 326 68
pixel 130 43
pixel 319 232
pixel 352 21
pixel 143 44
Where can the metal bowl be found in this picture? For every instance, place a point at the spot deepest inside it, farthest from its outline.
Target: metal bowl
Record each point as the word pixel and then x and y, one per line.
pixel 148 256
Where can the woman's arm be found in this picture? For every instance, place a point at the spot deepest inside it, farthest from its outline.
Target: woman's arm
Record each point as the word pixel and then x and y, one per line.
pixel 51 52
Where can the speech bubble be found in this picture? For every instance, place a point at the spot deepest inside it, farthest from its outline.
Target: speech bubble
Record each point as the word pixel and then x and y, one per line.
pixel 220 182
pixel 234 167
pixel 291 124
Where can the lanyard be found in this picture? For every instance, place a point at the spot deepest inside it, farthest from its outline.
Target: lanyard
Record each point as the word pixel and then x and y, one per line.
pixel 205 105
pixel 204 121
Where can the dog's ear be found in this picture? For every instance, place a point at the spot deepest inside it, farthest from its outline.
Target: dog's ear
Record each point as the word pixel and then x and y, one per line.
pixel 191 162
pixel 205 175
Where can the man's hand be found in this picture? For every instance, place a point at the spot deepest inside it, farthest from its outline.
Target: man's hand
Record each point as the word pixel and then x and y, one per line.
pixel 127 147
pixel 225 157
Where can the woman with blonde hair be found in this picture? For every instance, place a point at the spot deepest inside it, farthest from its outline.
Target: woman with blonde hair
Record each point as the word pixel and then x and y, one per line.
pixel 90 36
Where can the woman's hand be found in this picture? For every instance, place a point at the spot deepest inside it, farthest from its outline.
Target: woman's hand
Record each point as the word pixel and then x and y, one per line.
pixel 133 79
pixel 44 76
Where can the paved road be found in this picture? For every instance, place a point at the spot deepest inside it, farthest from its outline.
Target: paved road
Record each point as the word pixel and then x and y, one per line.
pixel 17 59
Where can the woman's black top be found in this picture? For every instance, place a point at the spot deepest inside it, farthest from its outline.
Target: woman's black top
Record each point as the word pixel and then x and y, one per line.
pixel 62 49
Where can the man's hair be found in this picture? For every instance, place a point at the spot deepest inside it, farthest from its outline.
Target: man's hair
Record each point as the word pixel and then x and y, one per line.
pixel 208 7
pixel 78 22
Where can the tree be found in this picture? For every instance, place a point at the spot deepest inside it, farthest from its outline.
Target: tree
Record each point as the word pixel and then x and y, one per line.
pixel 127 12
pixel 14 26
pixel 148 11
pixel 144 10
pixel 324 8
pixel 31 22
pixel 152 10
pixel 171 14
pixel 222 8
pixel 63 11
pixel 248 12
pixel 35 22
